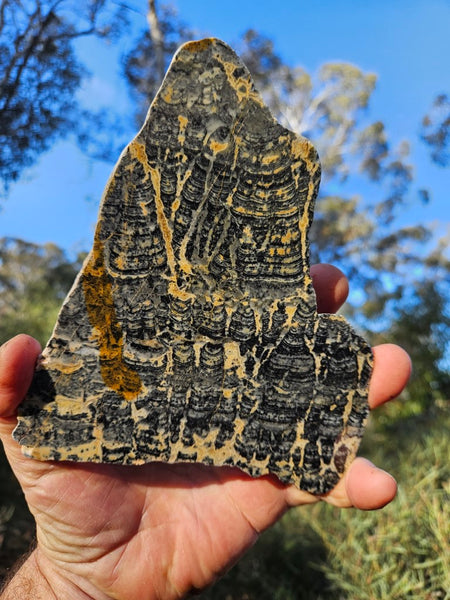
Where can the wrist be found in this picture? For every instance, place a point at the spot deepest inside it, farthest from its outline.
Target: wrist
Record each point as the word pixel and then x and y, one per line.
pixel 38 579
pixel 28 582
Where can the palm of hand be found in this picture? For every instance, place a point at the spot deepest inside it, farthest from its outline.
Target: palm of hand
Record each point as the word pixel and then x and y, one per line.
pixel 98 522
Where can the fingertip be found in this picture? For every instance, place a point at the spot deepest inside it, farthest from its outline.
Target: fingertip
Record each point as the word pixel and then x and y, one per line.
pixel 331 287
pixel 391 372
pixel 368 487
pixel 21 341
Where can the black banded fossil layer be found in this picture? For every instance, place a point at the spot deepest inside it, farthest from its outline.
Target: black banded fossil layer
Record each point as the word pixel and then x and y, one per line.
pixel 192 333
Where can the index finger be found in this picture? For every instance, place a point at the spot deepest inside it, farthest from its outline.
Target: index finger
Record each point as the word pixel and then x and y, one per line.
pixel 331 287
pixel 391 371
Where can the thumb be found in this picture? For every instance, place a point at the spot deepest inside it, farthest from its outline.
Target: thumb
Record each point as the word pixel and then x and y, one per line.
pixel 17 362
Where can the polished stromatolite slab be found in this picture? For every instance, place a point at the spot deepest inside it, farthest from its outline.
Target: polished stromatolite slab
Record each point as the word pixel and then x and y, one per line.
pixel 191 333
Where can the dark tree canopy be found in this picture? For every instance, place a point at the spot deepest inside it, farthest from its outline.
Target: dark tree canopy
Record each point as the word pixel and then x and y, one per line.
pixel 40 75
pixel 422 328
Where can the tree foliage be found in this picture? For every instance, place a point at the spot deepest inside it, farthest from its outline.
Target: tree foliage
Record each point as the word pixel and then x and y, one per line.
pixel 422 327
pixel 34 280
pixel 40 75
pixel 436 130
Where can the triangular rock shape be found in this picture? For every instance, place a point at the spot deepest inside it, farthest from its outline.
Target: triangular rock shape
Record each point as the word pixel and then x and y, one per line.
pixel 192 333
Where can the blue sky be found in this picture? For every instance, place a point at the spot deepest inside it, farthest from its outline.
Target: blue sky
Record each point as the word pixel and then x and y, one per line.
pixel 405 42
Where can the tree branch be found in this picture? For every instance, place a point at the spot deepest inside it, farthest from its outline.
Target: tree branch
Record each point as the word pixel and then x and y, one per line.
pixel 157 38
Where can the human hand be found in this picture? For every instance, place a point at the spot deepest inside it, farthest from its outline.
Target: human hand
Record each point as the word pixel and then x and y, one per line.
pixel 159 530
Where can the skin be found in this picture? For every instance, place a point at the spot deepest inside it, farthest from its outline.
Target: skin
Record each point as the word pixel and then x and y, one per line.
pixel 161 531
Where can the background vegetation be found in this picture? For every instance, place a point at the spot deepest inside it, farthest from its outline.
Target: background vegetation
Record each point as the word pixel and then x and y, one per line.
pixel 314 552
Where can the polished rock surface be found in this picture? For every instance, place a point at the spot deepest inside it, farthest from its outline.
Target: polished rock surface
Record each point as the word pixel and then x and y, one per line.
pixel 191 333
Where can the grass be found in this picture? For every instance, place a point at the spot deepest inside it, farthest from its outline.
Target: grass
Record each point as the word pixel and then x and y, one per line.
pixel 320 553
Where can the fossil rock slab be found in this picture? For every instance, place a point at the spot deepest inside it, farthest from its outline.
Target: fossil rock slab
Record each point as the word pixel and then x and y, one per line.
pixel 191 333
